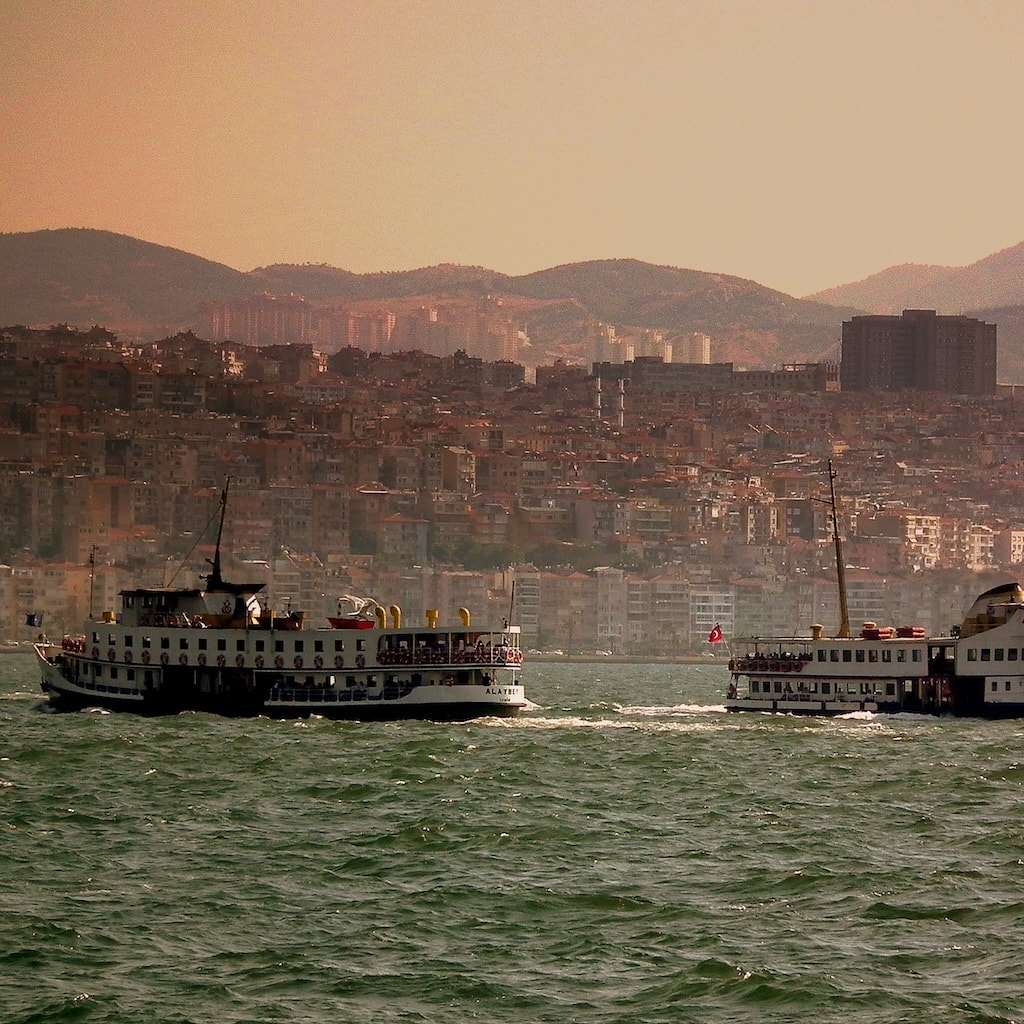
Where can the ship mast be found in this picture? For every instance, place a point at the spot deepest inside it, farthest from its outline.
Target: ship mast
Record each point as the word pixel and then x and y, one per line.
pixel 844 612
pixel 214 580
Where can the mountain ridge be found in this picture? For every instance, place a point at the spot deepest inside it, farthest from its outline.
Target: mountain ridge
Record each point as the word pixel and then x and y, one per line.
pixel 143 289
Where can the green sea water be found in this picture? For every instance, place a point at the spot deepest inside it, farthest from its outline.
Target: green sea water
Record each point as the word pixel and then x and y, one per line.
pixel 624 852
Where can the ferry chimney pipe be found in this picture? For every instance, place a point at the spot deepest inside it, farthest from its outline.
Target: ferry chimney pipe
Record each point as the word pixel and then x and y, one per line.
pixel 396 616
pixel 464 615
pixel 382 617
pixel 432 618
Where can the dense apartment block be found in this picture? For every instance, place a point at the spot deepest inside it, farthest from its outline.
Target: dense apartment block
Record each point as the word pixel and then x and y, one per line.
pixel 919 350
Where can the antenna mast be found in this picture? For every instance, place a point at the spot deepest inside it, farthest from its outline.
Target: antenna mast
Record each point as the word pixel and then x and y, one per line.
pixel 844 612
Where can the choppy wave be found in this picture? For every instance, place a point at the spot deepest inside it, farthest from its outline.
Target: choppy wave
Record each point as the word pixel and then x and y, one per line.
pixel 624 851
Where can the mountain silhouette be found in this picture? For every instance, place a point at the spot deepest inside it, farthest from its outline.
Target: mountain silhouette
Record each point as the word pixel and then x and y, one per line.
pixel 139 289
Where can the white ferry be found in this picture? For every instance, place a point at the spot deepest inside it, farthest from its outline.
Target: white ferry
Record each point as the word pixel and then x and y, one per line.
pixel 977 670
pixel 217 650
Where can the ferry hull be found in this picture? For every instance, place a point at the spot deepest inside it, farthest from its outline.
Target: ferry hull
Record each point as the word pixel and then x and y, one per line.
pixel 816 708
pixel 240 696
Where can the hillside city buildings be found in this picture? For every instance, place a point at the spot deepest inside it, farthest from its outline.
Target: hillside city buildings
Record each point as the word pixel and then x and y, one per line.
pixel 628 506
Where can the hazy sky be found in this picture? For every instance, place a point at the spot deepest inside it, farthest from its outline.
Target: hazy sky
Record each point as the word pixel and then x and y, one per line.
pixel 800 144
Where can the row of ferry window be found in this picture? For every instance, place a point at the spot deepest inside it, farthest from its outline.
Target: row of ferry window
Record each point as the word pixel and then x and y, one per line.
pixel 825 689
pixel 872 654
pixel 202 644
pixel 992 654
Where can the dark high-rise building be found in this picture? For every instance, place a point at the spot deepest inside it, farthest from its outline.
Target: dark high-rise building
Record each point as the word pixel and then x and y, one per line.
pixel 919 350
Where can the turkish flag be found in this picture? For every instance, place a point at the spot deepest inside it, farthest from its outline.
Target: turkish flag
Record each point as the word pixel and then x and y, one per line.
pixel 715 636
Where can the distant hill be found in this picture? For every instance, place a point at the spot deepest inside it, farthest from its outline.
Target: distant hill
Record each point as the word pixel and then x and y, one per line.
pixel 993 282
pixel 139 289
pixel 748 323
pixel 84 277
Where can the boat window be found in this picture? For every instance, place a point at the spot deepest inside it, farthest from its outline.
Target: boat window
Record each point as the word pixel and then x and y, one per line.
pixel 113 672
pixel 833 655
pixel 129 673
pixel 886 654
pixel 890 689
pixel 222 644
pixel 183 643
pixel 278 646
pixel 128 641
pixel 972 654
pixel 318 646
pixel 239 645
pixel 986 654
pixel 1011 654
pixel 261 645
pixel 873 655
pixel 147 642
pixel 165 642
pixel 995 686
pixel 360 645
pixel 778 686
pixel 111 639
pixel 821 654
pixel 1007 686
pixel 998 654
pixel 859 654
pixel 847 654
pixel 202 643
pixel 901 654
pixel 299 645
pixel 915 654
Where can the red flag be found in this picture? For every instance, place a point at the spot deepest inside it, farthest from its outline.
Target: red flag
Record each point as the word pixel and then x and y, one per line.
pixel 715 636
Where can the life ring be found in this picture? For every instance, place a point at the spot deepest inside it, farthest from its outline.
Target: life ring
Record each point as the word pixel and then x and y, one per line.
pixel 339 661
pixel 183 658
pixel 164 657
pixel 318 661
pixel 240 660
pixel 201 658
pixel 145 657
pixel 111 654
pixel 278 661
pixel 297 661
pixel 127 657
pixel 221 660
pixel 360 661
pixel 259 661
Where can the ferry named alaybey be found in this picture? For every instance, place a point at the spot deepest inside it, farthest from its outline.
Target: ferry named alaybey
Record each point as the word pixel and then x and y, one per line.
pixel 216 649
pixel 976 670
